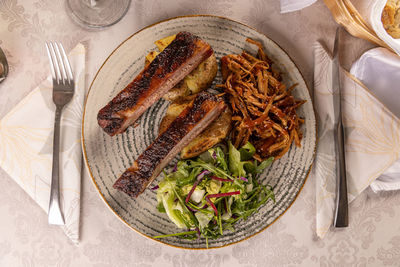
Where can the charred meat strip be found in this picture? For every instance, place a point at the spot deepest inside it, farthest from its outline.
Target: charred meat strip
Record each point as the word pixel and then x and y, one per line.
pixel 176 61
pixel 203 110
pixel 212 135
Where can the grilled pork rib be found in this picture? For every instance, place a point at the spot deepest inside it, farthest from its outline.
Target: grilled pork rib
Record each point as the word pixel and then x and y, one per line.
pixel 204 109
pixel 212 134
pixel 177 60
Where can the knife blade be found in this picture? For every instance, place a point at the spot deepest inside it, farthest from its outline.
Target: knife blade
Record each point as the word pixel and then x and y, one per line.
pixel 342 210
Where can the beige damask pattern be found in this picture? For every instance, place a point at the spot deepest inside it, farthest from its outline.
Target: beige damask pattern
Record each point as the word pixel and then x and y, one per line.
pixel 27 240
pixel 390 256
pixel 275 248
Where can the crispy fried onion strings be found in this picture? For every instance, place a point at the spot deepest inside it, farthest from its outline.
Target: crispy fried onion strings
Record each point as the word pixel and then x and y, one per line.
pixel 264 111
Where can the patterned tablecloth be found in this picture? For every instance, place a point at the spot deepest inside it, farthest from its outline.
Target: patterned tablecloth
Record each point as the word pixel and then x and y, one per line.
pixel 373 238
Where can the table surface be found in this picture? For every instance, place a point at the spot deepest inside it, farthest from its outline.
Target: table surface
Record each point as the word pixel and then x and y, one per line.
pixel 373 238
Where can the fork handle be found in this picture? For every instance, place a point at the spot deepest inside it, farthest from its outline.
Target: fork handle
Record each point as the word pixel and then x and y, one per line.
pixel 55 214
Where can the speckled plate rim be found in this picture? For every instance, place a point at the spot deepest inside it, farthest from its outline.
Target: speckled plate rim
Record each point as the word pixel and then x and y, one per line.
pixel 90 171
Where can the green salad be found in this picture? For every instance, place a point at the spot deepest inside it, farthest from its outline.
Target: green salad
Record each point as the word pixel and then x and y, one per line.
pixel 209 194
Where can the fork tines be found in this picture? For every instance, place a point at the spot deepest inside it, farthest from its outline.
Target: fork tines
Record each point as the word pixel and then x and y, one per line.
pixel 60 68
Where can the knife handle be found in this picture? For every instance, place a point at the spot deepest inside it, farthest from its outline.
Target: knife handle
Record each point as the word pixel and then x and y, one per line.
pixel 342 209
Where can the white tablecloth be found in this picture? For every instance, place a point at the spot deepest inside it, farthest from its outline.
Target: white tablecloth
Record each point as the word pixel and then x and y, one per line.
pixel 373 238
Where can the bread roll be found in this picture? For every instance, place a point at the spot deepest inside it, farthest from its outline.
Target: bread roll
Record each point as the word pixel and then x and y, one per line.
pixel 391 18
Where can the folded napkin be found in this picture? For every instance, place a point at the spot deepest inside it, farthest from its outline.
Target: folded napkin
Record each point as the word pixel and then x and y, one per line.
pixel 378 69
pixel 294 5
pixel 26 140
pixel 372 138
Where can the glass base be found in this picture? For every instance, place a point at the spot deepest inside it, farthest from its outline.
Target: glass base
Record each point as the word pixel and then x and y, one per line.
pixel 97 14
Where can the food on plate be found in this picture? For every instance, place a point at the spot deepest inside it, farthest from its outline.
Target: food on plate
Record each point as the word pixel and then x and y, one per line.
pixel 161 45
pixel 212 135
pixel 203 110
pixel 164 42
pixel 391 18
pixel 181 95
pixel 168 68
pixel 209 194
pixel 264 110
pixel 196 81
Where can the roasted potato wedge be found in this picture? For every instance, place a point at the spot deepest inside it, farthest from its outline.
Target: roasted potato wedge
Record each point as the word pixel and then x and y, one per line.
pixel 164 42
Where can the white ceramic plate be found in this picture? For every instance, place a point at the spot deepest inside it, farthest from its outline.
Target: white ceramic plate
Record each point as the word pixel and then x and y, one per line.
pixel 107 157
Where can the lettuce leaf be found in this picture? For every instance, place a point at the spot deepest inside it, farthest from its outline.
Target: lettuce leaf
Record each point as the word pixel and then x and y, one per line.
pixel 235 163
pixel 204 218
pixel 168 201
pixel 230 163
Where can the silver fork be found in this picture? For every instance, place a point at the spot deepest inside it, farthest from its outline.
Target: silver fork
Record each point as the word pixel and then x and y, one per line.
pixel 63 91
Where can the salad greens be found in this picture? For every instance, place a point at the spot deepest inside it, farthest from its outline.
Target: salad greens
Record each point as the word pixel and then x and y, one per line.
pixel 210 193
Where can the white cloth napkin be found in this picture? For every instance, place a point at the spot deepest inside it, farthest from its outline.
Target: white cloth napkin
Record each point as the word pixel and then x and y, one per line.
pixel 379 70
pixel 26 139
pixel 294 5
pixel 372 138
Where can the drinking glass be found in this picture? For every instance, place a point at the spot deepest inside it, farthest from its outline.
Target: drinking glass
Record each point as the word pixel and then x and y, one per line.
pixel 97 14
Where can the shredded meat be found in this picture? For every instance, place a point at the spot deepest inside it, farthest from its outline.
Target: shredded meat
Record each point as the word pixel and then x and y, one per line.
pixel 264 110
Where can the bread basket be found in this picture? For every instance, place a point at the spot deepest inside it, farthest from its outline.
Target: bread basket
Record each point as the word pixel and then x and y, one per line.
pixel 363 22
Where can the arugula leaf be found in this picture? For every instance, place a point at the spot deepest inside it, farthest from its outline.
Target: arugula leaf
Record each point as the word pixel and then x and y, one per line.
pixel 269 193
pixel 189 179
pixel 241 171
pixel 247 151
pixel 264 164
pixel 208 156
pixel 221 161
pixel 181 172
pixel 160 207
pixel 250 167
pixel 210 167
pixel 227 187
pixel 190 234
pixel 219 220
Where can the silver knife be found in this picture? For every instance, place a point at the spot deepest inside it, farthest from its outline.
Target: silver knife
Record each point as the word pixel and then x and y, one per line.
pixel 342 210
